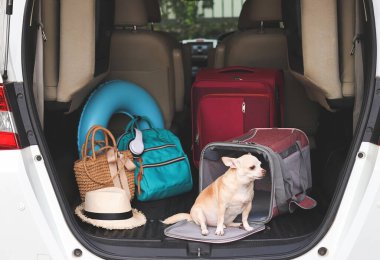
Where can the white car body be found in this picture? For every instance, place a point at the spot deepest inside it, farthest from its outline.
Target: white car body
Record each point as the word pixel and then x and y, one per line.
pixel 34 226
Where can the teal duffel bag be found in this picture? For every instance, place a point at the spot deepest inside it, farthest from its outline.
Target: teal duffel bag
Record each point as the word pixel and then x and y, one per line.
pixel 163 169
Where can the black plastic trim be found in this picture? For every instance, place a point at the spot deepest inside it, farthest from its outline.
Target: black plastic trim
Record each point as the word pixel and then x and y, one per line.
pixel 57 106
pixel 372 131
pixel 340 103
pixel 16 99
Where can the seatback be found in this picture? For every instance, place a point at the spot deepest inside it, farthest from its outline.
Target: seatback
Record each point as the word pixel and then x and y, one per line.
pixel 145 57
pixel 72 65
pixel 255 45
pixel 180 61
pixel 328 28
pixel 261 42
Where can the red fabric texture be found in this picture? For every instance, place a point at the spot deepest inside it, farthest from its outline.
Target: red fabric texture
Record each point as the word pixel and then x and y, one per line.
pixel 217 97
pixel 278 139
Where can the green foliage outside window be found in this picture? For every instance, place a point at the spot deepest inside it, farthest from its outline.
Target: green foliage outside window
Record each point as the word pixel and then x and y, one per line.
pixel 186 19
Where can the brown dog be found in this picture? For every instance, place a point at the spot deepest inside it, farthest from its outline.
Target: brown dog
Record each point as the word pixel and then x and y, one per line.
pixel 228 196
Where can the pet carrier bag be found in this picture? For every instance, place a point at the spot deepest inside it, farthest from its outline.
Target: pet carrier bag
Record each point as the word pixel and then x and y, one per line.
pixel 284 154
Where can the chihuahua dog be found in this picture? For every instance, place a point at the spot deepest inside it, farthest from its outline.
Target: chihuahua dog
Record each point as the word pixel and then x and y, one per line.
pixel 228 196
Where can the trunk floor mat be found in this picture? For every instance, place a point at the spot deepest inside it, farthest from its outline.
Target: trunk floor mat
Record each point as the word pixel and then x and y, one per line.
pixel 300 223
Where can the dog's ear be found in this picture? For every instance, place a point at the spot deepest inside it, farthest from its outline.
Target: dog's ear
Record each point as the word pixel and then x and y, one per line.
pixel 230 162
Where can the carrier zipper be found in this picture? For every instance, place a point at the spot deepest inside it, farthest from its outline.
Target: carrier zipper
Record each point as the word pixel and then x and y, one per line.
pixel 243 139
pixel 159 147
pixel 165 162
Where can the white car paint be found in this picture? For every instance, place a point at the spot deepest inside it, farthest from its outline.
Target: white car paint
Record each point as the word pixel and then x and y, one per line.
pixel 34 227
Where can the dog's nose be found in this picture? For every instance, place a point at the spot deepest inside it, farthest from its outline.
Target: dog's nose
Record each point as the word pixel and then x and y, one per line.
pixel 263 171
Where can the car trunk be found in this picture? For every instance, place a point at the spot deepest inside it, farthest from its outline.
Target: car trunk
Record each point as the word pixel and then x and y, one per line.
pixel 332 143
pixel 283 235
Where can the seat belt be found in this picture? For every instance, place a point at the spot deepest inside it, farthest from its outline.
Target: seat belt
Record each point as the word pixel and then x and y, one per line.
pixel 357 50
pixel 38 76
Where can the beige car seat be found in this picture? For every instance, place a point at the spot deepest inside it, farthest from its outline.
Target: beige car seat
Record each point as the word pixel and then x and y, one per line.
pixel 254 45
pixel 261 42
pixel 147 58
pixel 328 28
pixel 154 17
pixel 69 52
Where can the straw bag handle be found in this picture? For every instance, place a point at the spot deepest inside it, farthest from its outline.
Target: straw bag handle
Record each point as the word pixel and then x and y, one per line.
pixel 107 135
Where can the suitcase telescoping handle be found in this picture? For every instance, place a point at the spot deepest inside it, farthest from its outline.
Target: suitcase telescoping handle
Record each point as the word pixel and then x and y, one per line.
pixel 236 69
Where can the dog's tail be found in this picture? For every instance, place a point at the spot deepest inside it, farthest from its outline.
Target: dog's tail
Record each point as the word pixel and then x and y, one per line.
pixel 177 217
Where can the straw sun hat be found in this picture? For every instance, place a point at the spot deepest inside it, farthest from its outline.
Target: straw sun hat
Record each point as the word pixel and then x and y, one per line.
pixel 109 208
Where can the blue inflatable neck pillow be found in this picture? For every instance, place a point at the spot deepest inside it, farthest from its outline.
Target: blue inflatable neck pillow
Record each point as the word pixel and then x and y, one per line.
pixel 117 97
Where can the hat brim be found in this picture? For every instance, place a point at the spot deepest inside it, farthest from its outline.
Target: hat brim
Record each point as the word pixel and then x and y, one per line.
pixel 137 220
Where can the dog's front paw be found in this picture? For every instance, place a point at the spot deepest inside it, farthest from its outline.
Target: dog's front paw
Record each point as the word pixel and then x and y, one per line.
pixel 219 231
pixel 248 228
pixel 204 232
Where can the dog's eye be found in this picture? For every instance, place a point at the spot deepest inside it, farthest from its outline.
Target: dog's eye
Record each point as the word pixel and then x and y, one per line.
pixel 252 167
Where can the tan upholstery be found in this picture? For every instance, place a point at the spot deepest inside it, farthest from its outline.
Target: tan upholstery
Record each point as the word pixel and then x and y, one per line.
pixel 254 47
pixel 69 52
pixel 77 47
pixel 346 27
pixel 148 58
pixel 255 11
pixel 326 45
pixel 69 57
pixel 49 15
pixel 250 48
pixel 130 13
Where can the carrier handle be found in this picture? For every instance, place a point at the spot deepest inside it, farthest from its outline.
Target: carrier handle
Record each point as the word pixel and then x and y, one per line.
pixel 237 69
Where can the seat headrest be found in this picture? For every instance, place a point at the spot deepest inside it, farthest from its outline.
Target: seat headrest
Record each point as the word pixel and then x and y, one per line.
pixel 154 12
pixel 255 11
pixel 130 13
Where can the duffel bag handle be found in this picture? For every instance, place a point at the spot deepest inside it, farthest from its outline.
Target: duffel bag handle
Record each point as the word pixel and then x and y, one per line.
pixel 133 124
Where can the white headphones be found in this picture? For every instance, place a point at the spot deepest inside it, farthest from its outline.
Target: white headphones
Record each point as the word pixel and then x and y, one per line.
pixel 136 146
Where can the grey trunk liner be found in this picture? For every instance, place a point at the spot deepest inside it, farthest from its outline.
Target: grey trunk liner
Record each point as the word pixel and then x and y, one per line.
pixel 191 231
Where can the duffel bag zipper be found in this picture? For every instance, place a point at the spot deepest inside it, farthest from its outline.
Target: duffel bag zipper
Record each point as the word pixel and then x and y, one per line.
pixel 144 166
pixel 164 162
pixel 159 147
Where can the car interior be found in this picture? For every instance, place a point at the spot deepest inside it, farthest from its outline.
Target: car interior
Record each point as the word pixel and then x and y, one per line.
pixel 90 42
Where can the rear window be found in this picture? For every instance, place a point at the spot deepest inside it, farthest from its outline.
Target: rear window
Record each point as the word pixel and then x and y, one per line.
pixel 191 19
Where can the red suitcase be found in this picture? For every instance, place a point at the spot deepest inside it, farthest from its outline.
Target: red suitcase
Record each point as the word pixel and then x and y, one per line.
pixel 230 101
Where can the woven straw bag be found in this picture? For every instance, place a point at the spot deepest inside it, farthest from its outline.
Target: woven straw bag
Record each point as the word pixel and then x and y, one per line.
pixel 104 167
